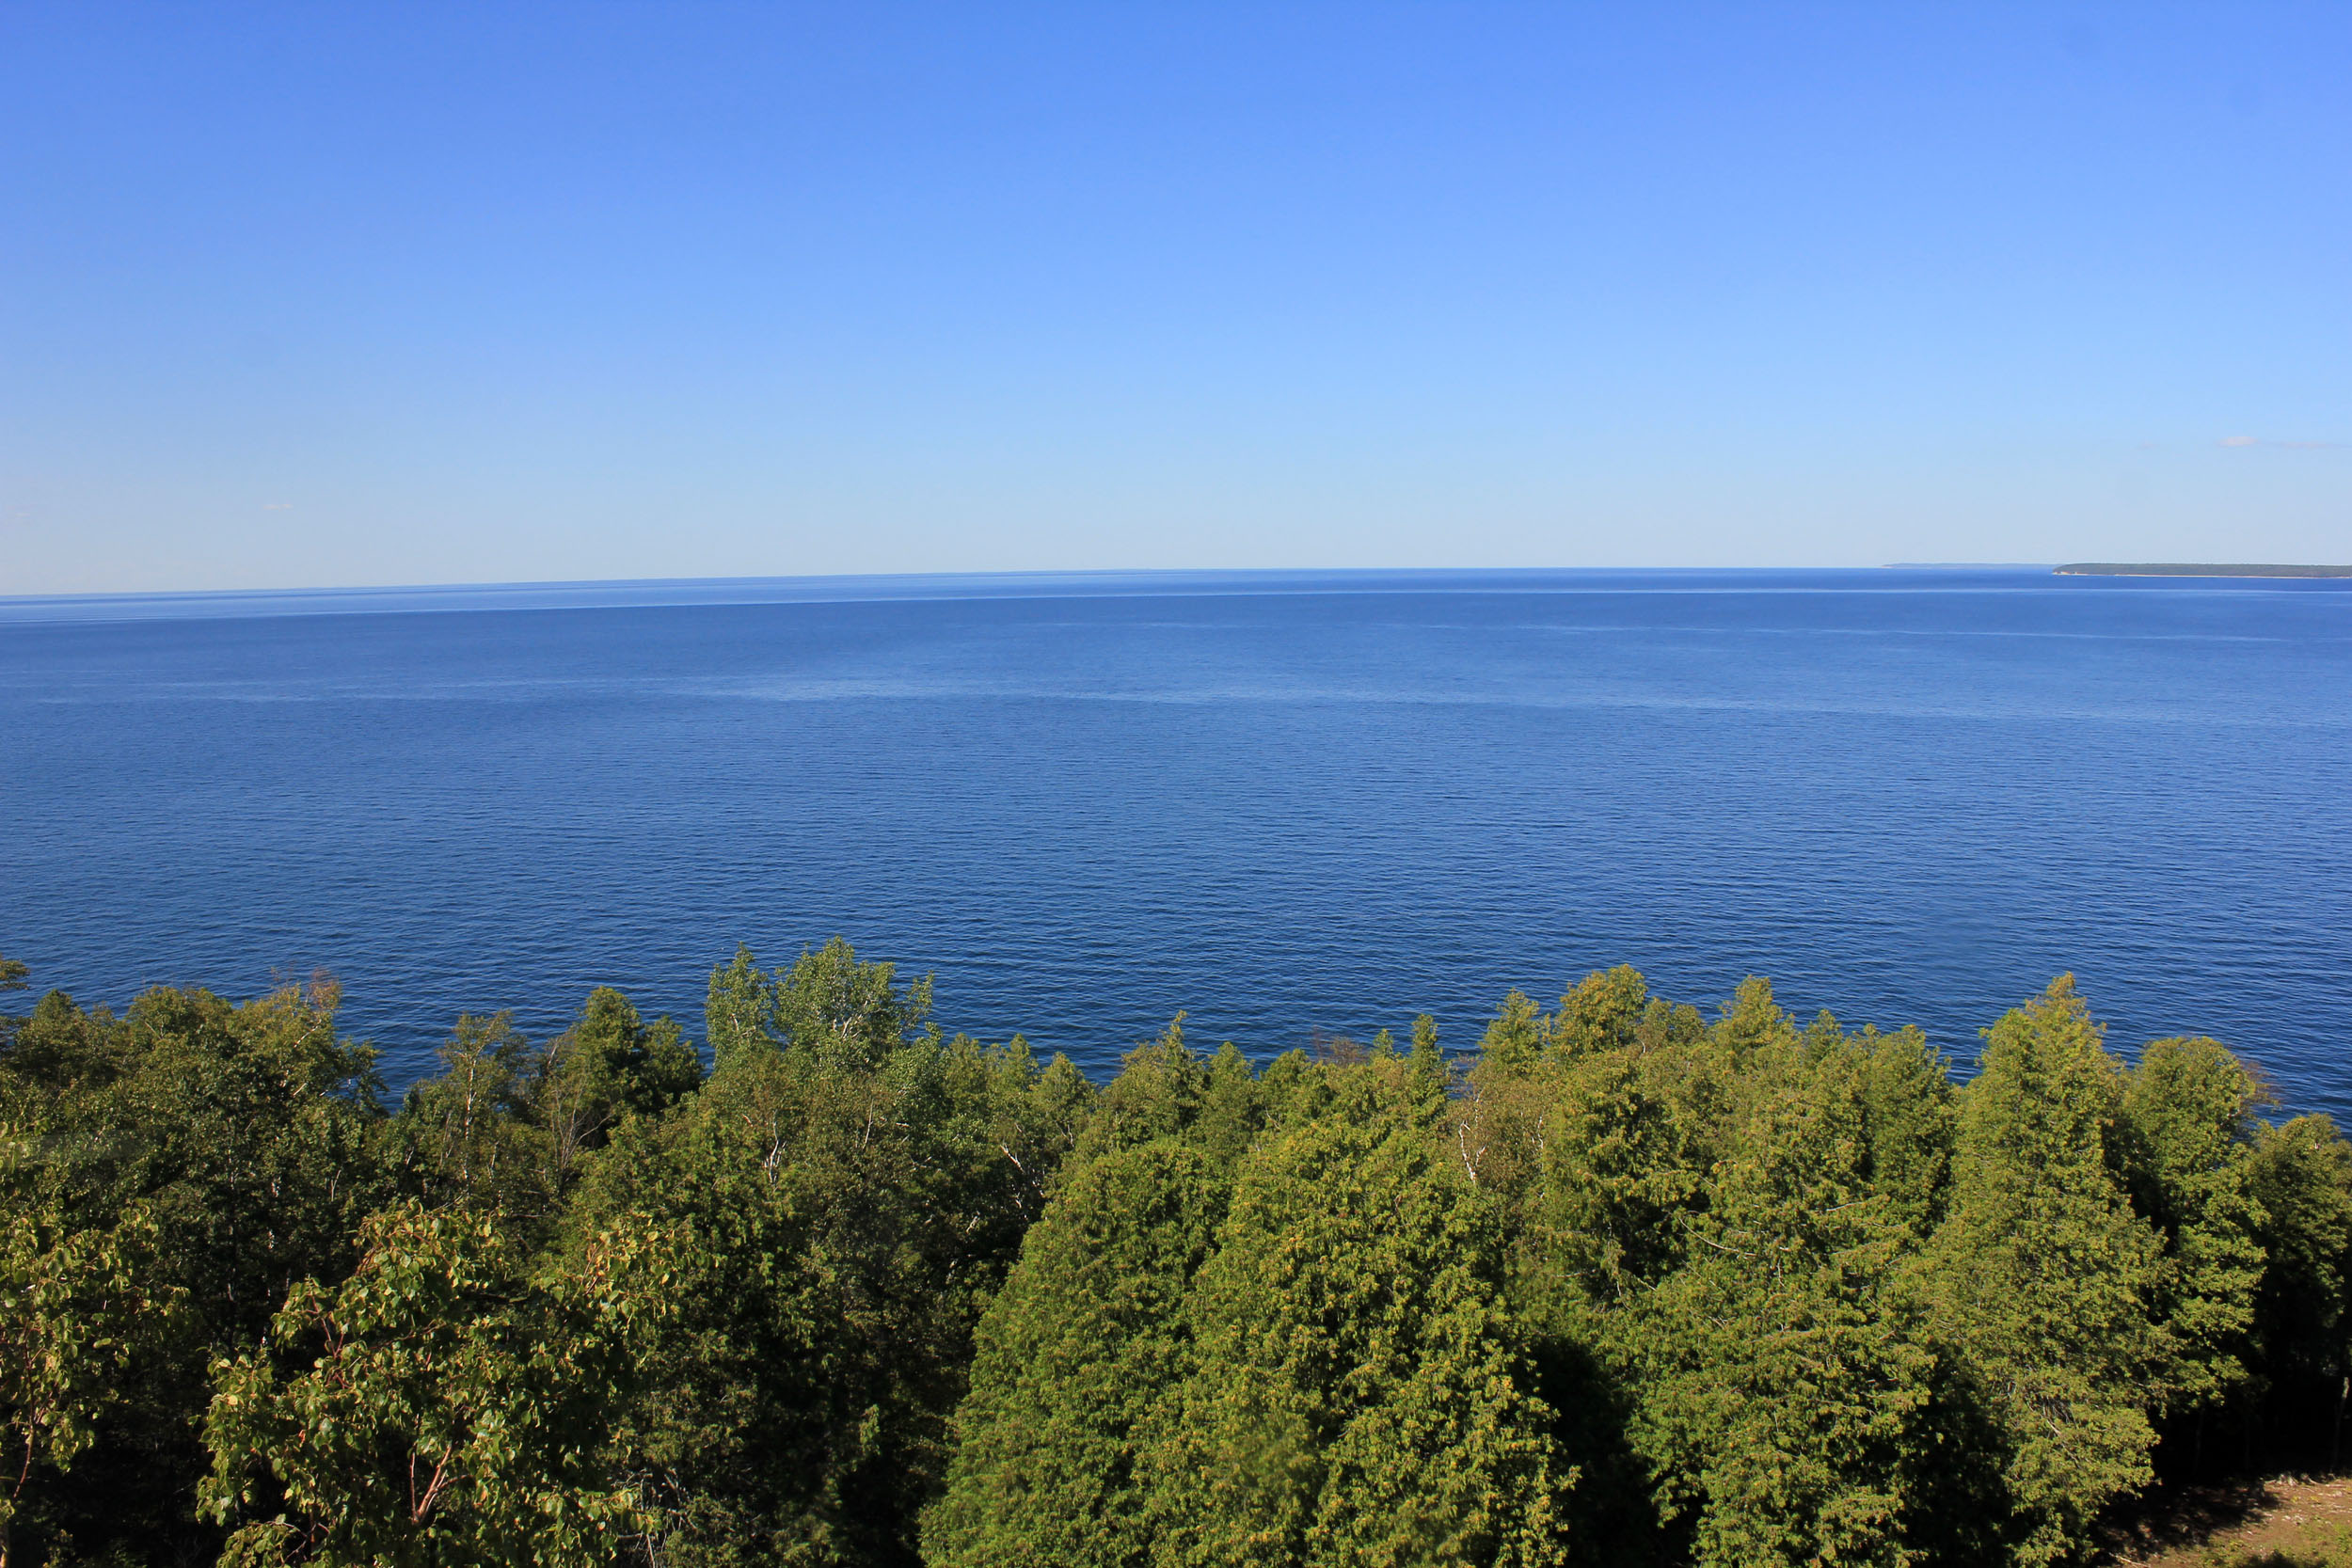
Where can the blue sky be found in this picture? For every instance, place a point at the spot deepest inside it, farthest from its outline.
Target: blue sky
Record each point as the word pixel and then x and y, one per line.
pixel 340 294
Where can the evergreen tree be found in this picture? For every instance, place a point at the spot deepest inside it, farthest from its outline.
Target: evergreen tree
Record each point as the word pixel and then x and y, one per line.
pixel 1232 1110
pixel 1907 1090
pixel 1517 1035
pixel 1777 1294
pixel 2043 1278
pixel 1429 1081
pixel 2188 1118
pixel 1360 1396
pixel 2301 1175
pixel 1780 1368
pixel 1626 1141
pixel 1076 1361
pixel 1603 1011
pixel 1157 1093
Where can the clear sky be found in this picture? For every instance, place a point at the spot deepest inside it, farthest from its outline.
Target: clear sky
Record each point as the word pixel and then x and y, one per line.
pixel 344 294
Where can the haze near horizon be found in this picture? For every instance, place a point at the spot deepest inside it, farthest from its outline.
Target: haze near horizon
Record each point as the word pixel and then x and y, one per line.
pixel 305 296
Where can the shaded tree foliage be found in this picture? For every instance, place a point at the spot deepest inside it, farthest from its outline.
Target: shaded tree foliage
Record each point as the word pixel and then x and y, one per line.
pixel 1360 1393
pixel 837 1204
pixel 215 1156
pixel 438 1407
pixel 1237 1338
pixel 1077 1362
pixel 2044 1281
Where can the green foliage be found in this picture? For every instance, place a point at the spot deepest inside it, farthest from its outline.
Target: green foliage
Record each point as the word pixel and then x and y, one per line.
pixel 739 1011
pixel 1628 1286
pixel 1907 1091
pixel 79 1314
pixel 2299 1175
pixel 2043 1278
pixel 1232 1111
pixel 1781 1369
pixel 1076 1362
pixel 830 1006
pixel 238 1145
pixel 1359 1396
pixel 246 1130
pixel 1157 1093
pixel 835 1219
pixel 2187 1117
pixel 1602 1012
pixel 436 1407
pixel 1516 1035
pixel 1304 1358
pixel 610 1064
pixel 468 1136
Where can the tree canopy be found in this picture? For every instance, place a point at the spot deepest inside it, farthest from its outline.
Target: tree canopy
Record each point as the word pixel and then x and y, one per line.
pixel 1626 1284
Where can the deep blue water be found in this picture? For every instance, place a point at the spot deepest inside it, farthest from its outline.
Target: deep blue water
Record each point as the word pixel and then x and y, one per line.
pixel 1285 802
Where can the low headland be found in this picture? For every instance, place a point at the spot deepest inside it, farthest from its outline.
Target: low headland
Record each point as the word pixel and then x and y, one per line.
pixel 2191 569
pixel 1627 1284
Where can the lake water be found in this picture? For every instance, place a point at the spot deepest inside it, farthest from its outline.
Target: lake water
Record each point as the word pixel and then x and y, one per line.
pixel 1286 802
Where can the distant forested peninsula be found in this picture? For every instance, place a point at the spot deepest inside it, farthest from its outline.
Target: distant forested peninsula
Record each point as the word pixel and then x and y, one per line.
pixel 2190 569
pixel 1629 1284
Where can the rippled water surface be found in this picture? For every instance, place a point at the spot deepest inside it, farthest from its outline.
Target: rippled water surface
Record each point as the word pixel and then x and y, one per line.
pixel 1284 802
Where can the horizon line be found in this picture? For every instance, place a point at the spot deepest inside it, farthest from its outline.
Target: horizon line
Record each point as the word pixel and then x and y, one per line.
pixel 1061 574
pixel 850 588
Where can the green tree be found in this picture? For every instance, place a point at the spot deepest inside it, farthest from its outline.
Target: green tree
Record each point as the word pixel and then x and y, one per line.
pixel 468 1137
pixel 78 1316
pixel 438 1407
pixel 1752 1019
pixel 1430 1080
pixel 1781 1369
pixel 2043 1278
pixel 1076 1360
pixel 836 1215
pixel 766 1428
pixel 610 1064
pixel 2301 1175
pixel 845 1011
pixel 831 1007
pixel 12 977
pixel 1360 1396
pixel 1625 1143
pixel 1779 1294
pixel 1517 1035
pixel 242 1141
pixel 739 1011
pixel 1603 1011
pixel 2188 1111
pixel 1907 1090
pixel 1232 1109
pixel 1157 1093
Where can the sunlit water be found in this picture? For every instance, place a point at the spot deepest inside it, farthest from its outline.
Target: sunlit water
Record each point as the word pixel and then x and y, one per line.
pixel 1287 803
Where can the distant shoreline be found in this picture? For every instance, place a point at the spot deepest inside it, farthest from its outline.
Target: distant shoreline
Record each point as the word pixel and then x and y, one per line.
pixel 2177 569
